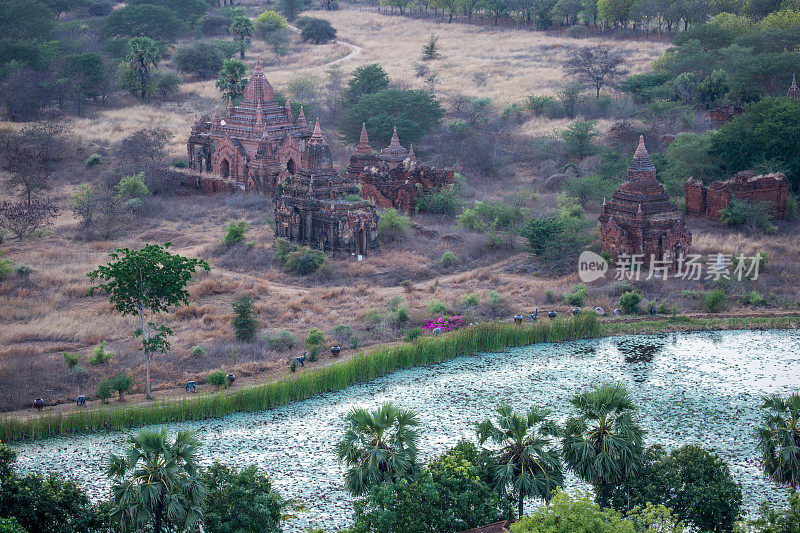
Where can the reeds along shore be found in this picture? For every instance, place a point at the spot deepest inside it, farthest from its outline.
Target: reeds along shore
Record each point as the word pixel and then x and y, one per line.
pixel 362 367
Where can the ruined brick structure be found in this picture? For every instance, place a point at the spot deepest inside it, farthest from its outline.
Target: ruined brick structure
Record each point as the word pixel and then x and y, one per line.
pixel 394 177
pixel 640 219
pixel 318 207
pixel 746 186
pixel 256 145
pixel 724 114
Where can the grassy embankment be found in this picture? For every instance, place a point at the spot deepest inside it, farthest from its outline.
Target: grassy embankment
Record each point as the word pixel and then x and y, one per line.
pixel 365 366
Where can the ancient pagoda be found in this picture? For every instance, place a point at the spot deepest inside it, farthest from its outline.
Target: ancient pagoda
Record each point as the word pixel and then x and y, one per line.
pixel 640 219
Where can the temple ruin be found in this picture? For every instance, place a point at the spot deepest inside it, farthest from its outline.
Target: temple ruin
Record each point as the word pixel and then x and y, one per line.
pixel 318 207
pixel 256 145
pixel 702 201
pixel 640 219
pixel 393 177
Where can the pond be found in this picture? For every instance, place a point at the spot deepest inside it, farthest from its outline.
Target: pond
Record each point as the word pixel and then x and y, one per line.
pixel 699 388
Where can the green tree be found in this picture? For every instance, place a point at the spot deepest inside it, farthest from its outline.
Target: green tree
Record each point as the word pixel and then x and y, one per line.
pixel 235 232
pixel 291 8
pixel 143 56
pixel 240 500
pixel 779 439
pixel 392 225
pixel 527 465
pixel 155 22
pixel 567 514
pixel 688 157
pixel 41 504
pixel 200 58
pixel 145 283
pixel 84 203
pixel 242 28
pixel 770 520
pixel 156 483
pixel 131 187
pixel 579 136
pixel 414 114
pixel 378 446
pixel 231 79
pixel 696 484
pixel 22 20
pixel 602 443
pixel 569 96
pixel 714 88
pixel 367 79
pixel 629 302
pixel 121 383
pixel 244 321
pixel 596 67
pixel 103 390
pixel 318 31
pixel 218 378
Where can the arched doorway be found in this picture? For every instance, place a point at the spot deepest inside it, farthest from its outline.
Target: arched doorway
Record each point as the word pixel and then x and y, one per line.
pixel 291 166
pixel 225 169
pixel 361 241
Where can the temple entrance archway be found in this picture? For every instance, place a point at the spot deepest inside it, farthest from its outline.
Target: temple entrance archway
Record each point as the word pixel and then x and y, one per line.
pixel 291 166
pixel 361 242
pixel 225 169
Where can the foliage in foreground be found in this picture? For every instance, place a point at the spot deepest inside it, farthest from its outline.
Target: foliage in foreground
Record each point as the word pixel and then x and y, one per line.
pixel 298 259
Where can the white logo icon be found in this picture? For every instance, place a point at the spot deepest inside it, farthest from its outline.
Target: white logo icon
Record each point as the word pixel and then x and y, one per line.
pixel 591 266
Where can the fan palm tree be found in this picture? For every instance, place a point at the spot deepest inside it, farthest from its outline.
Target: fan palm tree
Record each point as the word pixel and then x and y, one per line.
pixel 156 483
pixel 779 440
pixel 242 29
pixel 602 443
pixel 527 464
pixel 378 446
pixel 231 80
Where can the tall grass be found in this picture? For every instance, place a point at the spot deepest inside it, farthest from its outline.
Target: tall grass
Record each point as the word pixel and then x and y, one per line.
pixel 362 367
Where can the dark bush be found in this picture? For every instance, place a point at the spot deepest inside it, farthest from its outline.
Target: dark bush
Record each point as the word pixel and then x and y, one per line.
pixel 201 58
pixel 318 31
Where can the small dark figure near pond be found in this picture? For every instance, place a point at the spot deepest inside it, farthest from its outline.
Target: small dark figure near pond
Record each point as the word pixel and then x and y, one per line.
pixel 38 403
pixel 576 311
pixel 191 386
pixel 231 378
pixel 535 315
pixel 552 314
pixel 301 360
pixel 80 400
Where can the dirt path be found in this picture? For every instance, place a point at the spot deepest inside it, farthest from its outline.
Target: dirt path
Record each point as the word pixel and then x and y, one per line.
pixel 354 50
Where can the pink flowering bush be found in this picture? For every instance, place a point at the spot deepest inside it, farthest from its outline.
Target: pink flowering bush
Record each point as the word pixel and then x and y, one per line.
pixel 445 323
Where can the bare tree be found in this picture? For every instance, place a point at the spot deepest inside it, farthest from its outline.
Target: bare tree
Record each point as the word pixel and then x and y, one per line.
pixel 23 219
pixel 29 167
pixel 595 66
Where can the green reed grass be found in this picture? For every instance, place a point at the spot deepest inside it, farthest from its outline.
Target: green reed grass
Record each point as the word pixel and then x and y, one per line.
pixel 362 367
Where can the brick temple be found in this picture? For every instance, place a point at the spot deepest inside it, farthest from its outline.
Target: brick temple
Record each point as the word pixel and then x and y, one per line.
pixel 702 201
pixel 318 207
pixel 258 142
pixel 640 219
pixel 393 177
pixel 794 90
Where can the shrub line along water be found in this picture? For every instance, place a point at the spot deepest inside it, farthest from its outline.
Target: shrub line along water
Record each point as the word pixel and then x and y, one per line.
pixel 362 367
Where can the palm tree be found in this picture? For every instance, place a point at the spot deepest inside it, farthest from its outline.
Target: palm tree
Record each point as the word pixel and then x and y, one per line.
pixel 143 56
pixel 242 29
pixel 526 463
pixel 779 440
pixel 157 483
pixel 378 446
pixel 231 79
pixel 602 444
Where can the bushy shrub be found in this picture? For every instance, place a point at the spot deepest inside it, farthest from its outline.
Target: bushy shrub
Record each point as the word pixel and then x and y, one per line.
pixel 235 232
pixel 203 59
pixel 71 359
pixel 445 201
pixel 342 332
pixel 754 298
pixel 100 355
pixel 131 187
pixel 739 213
pixel 198 350
pixel 244 322
pixel 579 138
pixel 392 226
pixel 103 390
pixel 714 300
pixel 318 31
pixel 538 105
pixel 448 260
pixel 437 307
pixel 94 159
pixel 315 337
pixel 629 302
pixel 281 341
pixel 411 334
pixel 471 299
pixel 121 383
pixel 577 296
pixel 218 378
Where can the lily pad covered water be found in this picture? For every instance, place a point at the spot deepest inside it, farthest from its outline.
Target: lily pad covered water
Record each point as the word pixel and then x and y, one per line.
pixel 698 388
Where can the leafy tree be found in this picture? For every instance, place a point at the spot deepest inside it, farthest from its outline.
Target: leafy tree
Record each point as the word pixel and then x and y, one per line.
pixel 103 390
pixel 378 446
pixel 367 79
pixel 713 88
pixel 629 302
pixel 602 443
pixel 189 11
pixel 430 50
pixel 315 337
pixel 201 58
pixel 569 96
pixel 292 8
pixel 145 283
pixel 596 67
pixel 578 138
pixel 770 520
pixel 131 187
pixel 242 28
pixel 152 21
pixel 235 232
pixel 218 378
pixel 414 113
pixel 239 500
pixel 244 322
pixel 143 56
pixel 318 31
pixel 553 239
pixel 696 484
pixel 779 440
pixel 392 225
pixel 688 156
pixel 121 383
pixel 100 355
pixel 526 463
pixel 87 73
pixel 297 259
pixel 22 20
pixel 751 215
pixel 231 79
pixel 157 483
pixel 40 504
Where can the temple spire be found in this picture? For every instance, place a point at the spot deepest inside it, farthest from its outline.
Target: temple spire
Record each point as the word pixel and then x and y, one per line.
pixel 316 137
pixel 641 165
pixel 259 114
pixel 363 142
pixel 301 118
pixel 216 115
pixel 230 107
pixel 794 90
pixel 395 142
pixel 289 110
pixel 258 69
pixel 411 151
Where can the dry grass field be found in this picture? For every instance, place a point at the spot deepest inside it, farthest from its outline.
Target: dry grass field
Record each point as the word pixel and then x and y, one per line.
pixel 49 312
